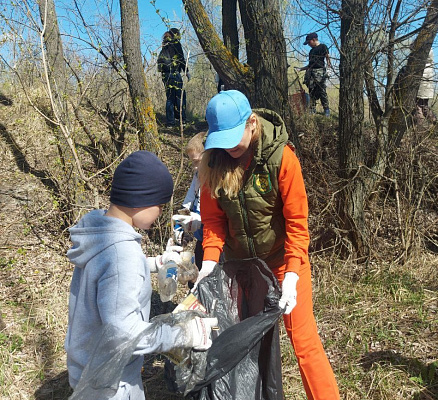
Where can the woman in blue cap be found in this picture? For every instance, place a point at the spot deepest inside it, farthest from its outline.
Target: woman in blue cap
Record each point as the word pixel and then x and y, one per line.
pixel 254 204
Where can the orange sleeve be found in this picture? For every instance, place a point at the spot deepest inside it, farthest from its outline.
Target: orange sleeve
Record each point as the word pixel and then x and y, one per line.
pixel 215 226
pixel 295 211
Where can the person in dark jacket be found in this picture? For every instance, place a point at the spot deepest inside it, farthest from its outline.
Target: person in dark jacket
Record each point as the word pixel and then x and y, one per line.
pixel 316 73
pixel 171 62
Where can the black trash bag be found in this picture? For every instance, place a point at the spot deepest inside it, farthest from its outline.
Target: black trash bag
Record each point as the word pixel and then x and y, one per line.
pixel 244 362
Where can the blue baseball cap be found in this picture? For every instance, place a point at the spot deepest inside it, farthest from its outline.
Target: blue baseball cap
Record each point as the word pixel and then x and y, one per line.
pixel 226 115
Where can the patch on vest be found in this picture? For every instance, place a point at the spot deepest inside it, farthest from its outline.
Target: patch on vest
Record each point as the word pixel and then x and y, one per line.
pixel 261 182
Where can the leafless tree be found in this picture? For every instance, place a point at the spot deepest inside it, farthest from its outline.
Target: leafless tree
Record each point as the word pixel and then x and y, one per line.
pixel 264 77
pixel 56 78
pixel 351 117
pixel 372 35
pixel 143 109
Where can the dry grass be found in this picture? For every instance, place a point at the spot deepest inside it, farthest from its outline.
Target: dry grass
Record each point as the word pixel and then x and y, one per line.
pixel 34 281
pixel 378 322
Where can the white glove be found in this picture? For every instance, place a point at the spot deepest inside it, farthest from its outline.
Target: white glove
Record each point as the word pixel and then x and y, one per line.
pixel 289 292
pixel 171 254
pixel 206 269
pixel 190 223
pixel 171 246
pixel 198 331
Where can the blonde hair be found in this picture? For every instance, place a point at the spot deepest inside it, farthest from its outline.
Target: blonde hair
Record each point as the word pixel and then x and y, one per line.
pixel 221 172
pixel 196 143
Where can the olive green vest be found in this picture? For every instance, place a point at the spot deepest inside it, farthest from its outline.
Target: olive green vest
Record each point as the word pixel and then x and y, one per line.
pixel 256 225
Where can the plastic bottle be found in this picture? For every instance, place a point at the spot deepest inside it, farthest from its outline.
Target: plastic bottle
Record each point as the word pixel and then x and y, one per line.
pixel 188 270
pixel 167 277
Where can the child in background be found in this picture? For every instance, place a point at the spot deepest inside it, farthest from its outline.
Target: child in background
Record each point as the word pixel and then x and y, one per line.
pixel 191 205
pixel 111 283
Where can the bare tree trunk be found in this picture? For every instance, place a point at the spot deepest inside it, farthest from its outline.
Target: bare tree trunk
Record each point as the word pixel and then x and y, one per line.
pixel 230 31
pixel 351 200
pixel 266 53
pixel 264 78
pixel 138 88
pixel 233 73
pixel 57 72
pixel 391 121
pixel 408 79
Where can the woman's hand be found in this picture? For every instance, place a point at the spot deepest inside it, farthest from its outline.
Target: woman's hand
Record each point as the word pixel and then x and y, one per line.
pixel 288 299
pixel 206 269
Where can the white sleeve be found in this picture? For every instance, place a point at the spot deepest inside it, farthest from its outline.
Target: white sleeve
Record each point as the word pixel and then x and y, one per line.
pixel 151 263
pixel 191 194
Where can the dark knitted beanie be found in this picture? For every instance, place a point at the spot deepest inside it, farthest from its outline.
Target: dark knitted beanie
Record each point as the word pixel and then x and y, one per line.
pixel 141 180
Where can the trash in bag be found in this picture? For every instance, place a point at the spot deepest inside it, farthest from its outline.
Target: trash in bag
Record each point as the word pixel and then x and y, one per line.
pixel 244 361
pixel 112 349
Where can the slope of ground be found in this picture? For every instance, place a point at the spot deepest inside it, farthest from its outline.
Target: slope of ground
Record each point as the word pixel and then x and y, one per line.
pixel 379 323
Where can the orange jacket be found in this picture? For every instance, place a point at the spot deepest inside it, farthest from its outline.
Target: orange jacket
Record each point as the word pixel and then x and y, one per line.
pixel 295 211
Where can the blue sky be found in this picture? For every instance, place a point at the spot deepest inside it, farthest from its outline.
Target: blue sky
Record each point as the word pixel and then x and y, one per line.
pixel 172 11
pixel 153 27
pixel 152 24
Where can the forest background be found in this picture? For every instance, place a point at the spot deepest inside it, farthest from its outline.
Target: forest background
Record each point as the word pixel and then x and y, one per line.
pixel 79 90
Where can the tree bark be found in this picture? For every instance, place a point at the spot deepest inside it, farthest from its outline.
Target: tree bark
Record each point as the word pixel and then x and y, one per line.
pixel 57 87
pixel 391 120
pixel 408 79
pixel 266 54
pixel 143 109
pixel 57 72
pixel 264 78
pixel 233 73
pixel 230 31
pixel 351 200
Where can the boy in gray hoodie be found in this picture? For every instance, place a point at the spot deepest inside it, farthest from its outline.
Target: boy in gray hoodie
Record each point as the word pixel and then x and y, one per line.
pixel 111 281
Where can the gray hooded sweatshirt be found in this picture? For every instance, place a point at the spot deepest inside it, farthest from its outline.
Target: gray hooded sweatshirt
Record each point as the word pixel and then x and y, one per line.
pixel 110 286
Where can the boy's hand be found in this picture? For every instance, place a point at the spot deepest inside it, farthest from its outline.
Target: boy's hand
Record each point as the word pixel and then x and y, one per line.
pixel 171 254
pixel 171 246
pixel 198 331
pixel 190 223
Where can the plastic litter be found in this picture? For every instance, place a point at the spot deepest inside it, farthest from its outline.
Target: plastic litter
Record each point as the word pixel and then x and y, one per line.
pixel 187 271
pixel 167 281
pixel 244 361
